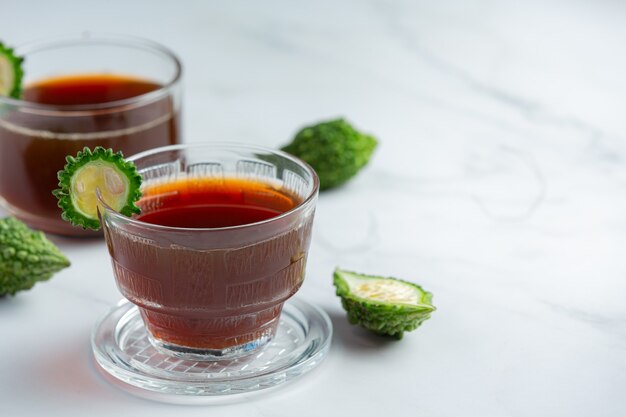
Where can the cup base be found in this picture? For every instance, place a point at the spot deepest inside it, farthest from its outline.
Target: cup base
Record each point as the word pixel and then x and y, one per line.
pixel 210 336
pixel 129 359
pixel 195 354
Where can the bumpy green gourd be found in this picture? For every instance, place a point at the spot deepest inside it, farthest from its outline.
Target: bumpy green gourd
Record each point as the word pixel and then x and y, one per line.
pixel 11 73
pixel 100 169
pixel 26 257
pixel 335 150
pixel 387 306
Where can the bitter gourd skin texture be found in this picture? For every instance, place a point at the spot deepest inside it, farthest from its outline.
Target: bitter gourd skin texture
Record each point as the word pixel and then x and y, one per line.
pixel 383 305
pixel 26 257
pixel 335 150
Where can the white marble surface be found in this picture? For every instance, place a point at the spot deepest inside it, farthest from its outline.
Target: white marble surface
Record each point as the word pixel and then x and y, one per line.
pixel 499 185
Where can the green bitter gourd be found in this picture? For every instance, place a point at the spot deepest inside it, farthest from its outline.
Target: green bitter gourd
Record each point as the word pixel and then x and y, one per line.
pixel 387 306
pixel 26 257
pixel 116 179
pixel 11 72
pixel 335 150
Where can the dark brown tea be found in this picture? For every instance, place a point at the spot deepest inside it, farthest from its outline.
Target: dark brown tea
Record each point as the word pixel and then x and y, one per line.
pixel 221 281
pixel 87 89
pixel 34 143
pixel 214 203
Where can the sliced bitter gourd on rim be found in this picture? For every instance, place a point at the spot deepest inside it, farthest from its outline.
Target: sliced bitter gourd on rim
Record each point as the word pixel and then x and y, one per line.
pixel 100 170
pixel 387 306
pixel 10 73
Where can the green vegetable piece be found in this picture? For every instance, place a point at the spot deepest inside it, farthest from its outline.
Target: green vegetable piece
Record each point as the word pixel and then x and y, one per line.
pixel 26 257
pixel 387 306
pixel 334 149
pixel 11 73
pixel 100 170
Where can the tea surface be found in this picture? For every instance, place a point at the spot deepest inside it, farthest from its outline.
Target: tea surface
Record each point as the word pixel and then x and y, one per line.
pixel 213 203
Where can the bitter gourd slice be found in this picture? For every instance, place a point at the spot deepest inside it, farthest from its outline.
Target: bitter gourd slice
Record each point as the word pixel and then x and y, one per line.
pixel 11 72
pixel 99 170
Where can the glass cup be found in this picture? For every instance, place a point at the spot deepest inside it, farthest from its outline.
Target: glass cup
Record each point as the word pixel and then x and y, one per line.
pixel 207 293
pixel 35 138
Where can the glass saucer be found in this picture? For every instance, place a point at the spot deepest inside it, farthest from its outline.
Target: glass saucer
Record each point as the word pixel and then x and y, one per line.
pixel 123 351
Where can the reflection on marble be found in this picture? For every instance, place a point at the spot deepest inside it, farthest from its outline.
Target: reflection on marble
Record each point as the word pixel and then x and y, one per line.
pixel 498 185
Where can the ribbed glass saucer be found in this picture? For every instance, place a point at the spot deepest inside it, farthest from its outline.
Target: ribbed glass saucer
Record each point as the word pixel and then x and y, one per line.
pixel 123 351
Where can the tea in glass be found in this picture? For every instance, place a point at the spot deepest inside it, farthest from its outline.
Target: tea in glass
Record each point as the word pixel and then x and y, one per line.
pixel 220 245
pixel 116 92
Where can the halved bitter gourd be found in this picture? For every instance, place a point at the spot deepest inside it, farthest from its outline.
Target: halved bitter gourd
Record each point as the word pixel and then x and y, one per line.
pixel 387 306
pixel 100 170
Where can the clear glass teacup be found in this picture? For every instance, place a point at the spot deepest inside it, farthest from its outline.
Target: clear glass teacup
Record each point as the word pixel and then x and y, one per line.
pixel 220 245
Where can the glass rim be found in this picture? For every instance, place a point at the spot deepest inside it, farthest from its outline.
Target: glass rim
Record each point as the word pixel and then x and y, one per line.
pixel 306 201
pixel 96 38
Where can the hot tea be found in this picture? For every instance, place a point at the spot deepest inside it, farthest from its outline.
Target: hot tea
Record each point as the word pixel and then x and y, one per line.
pixel 213 203
pixel 33 146
pixel 80 89
pixel 219 289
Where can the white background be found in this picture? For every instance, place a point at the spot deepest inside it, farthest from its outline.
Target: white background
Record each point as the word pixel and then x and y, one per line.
pixel 499 185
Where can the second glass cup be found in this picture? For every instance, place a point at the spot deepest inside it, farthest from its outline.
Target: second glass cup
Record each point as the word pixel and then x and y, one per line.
pixel 114 91
pixel 220 245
